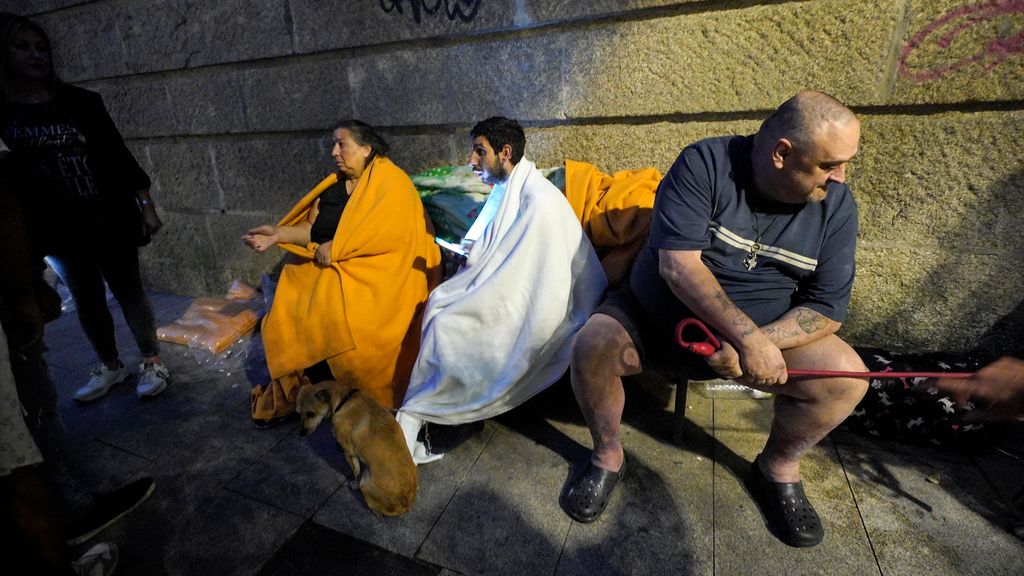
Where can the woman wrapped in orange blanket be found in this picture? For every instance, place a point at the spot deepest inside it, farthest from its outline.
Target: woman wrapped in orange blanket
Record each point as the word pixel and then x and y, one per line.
pixel 352 297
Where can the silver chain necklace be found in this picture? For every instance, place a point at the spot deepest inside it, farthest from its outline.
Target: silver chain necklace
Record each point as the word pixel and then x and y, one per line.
pixel 751 259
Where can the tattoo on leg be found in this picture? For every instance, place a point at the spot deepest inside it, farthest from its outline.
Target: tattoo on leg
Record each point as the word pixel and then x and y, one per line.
pixel 624 358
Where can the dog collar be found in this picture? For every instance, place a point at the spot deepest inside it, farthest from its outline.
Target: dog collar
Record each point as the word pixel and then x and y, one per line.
pixel 345 398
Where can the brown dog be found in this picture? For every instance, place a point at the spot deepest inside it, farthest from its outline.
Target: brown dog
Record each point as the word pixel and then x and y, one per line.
pixel 372 440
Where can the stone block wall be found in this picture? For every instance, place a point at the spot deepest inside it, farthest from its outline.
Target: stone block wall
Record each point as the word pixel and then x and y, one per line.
pixel 227 104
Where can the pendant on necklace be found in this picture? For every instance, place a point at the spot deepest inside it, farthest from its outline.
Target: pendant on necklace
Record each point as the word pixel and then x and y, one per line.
pixel 751 260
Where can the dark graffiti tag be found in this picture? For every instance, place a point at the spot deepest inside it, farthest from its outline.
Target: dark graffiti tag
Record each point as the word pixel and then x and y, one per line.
pixel 464 10
pixel 984 34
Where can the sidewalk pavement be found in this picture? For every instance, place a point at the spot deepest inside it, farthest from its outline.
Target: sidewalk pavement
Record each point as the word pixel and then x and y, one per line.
pixel 231 499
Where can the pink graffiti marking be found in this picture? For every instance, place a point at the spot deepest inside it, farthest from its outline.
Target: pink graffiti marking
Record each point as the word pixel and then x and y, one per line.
pixel 949 27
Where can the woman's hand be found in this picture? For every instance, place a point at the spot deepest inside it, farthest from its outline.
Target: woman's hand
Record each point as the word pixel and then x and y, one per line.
pixel 261 237
pixel 323 253
pixel 150 219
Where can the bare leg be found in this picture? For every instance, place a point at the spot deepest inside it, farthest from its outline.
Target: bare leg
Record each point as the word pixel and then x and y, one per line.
pixel 807 409
pixel 602 354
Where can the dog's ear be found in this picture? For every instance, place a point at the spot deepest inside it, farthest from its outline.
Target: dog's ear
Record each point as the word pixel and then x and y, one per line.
pixel 324 396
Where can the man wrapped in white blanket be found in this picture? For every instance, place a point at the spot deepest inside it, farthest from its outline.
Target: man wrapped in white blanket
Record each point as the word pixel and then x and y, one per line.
pixel 501 329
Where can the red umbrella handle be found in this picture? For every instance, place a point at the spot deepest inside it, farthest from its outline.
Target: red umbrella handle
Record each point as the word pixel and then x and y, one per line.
pixel 705 348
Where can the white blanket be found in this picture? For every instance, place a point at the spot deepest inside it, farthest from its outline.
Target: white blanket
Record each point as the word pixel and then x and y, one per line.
pixel 501 329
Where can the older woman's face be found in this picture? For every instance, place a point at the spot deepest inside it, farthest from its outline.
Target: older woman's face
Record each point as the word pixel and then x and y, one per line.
pixel 349 155
pixel 29 55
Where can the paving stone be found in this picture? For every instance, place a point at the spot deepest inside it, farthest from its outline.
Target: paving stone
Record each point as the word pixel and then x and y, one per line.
pixel 951 524
pixel 1003 467
pixel 220 384
pixel 30 7
pixel 220 529
pixel 660 518
pixel 102 467
pixel 740 531
pixel 297 475
pixel 505 514
pixel 69 355
pixel 177 431
pixel 869 443
pixel 88 422
pixel 743 414
pixel 439 481
pixel 316 549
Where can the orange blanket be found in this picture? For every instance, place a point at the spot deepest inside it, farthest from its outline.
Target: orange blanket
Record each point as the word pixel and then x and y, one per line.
pixel 615 212
pixel 362 313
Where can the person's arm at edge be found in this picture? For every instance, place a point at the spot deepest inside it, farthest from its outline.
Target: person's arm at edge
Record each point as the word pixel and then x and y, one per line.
pixel 997 389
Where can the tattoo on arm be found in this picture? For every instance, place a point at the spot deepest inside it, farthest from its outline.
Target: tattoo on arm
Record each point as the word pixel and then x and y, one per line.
pixel 810 321
pixel 739 319
pixel 780 334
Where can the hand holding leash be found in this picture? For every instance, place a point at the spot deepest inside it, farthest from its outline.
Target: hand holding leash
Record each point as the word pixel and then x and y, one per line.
pixel 711 345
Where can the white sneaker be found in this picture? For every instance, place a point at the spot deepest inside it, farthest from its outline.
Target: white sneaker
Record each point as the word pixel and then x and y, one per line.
pixel 101 379
pixel 153 379
pixel 100 560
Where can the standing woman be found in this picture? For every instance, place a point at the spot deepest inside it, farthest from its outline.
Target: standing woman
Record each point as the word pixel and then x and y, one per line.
pixel 85 199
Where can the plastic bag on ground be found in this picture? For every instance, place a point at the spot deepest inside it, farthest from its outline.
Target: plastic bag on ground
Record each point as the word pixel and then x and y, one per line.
pixel 214 324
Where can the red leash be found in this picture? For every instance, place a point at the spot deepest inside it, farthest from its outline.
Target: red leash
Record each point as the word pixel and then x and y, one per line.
pixel 711 345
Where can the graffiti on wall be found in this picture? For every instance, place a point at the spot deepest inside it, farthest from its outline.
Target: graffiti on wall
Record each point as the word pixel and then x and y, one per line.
pixel 983 34
pixel 464 10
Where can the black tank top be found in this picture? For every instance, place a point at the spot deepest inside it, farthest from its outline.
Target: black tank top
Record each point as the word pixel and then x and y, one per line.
pixel 332 204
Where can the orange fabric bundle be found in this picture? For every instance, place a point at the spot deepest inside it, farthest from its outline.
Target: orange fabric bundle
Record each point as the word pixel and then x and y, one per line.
pixel 614 210
pixel 362 313
pixel 213 324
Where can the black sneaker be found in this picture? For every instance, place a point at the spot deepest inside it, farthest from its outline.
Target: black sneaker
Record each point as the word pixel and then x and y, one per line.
pixel 107 508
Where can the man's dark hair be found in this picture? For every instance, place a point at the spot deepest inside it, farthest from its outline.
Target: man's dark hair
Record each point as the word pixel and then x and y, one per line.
pixel 500 131
pixel 365 135
pixel 9 25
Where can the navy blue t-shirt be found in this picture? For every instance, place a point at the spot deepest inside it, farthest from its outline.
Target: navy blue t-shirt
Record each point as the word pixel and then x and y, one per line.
pixel 707 202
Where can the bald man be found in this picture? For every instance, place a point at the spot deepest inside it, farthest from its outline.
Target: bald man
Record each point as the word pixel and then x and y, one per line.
pixel 754 235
